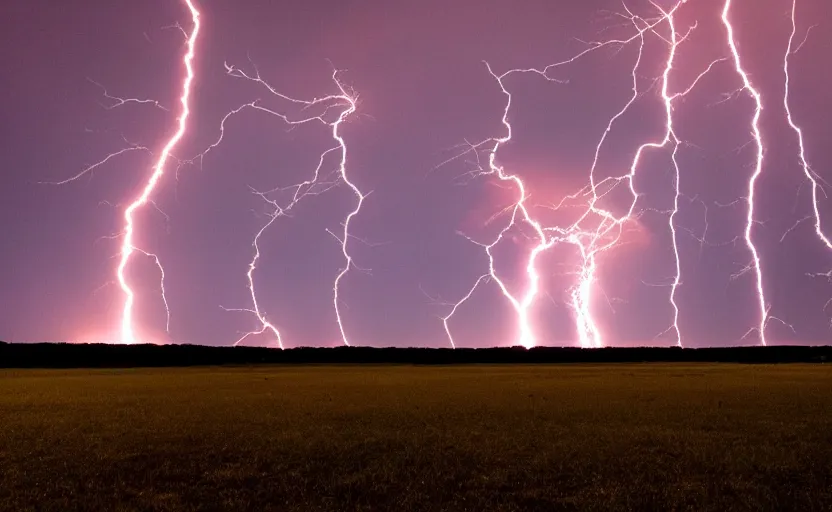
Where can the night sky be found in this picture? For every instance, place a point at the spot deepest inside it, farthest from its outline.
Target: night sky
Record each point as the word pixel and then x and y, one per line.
pixel 423 90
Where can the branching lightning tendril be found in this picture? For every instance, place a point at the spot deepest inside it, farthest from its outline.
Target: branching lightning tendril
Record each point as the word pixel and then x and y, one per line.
pixel 312 186
pixel 804 164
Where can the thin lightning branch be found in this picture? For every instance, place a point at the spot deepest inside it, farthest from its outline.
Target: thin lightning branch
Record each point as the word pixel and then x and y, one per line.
pixel 758 169
pixel 161 284
pixel 265 324
pixel 177 26
pixel 795 226
pixel 90 169
pixel 445 319
pixel 828 276
pixel 805 38
pixel 117 101
pixel 128 333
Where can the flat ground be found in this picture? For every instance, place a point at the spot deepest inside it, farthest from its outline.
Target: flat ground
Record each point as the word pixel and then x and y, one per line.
pixel 402 438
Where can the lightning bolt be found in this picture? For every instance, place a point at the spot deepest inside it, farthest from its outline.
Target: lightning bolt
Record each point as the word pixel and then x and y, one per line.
pixel 758 170
pixel 128 332
pixel 344 239
pixel 804 164
pixel 313 186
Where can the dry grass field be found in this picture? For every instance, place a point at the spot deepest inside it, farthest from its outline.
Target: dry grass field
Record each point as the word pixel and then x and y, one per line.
pixel 405 438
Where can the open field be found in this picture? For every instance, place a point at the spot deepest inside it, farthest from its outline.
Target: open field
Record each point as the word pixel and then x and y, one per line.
pixel 405 438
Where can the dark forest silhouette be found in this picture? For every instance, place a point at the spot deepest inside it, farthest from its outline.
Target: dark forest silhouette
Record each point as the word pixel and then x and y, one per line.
pixel 67 355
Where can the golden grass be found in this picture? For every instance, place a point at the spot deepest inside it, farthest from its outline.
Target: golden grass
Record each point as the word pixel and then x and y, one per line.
pixel 402 438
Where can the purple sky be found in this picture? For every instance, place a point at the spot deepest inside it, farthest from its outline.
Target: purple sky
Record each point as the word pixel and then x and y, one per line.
pixel 418 70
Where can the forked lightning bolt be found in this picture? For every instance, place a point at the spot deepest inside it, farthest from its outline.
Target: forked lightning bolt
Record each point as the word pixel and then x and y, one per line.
pixel 346 102
pixel 758 170
pixel 128 331
pixel 589 242
pixel 522 305
pixel 128 334
pixel 344 239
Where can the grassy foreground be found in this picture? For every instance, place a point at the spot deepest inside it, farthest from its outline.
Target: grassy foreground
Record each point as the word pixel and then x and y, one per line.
pixel 403 438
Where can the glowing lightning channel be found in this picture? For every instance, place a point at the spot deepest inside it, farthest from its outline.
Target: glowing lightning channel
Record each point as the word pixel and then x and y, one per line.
pixel 526 336
pixel 758 169
pixel 342 170
pixel 312 186
pixel 117 101
pixel 807 170
pixel 670 136
pixel 128 334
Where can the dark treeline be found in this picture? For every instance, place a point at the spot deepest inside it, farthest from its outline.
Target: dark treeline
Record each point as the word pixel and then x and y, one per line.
pixel 66 355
